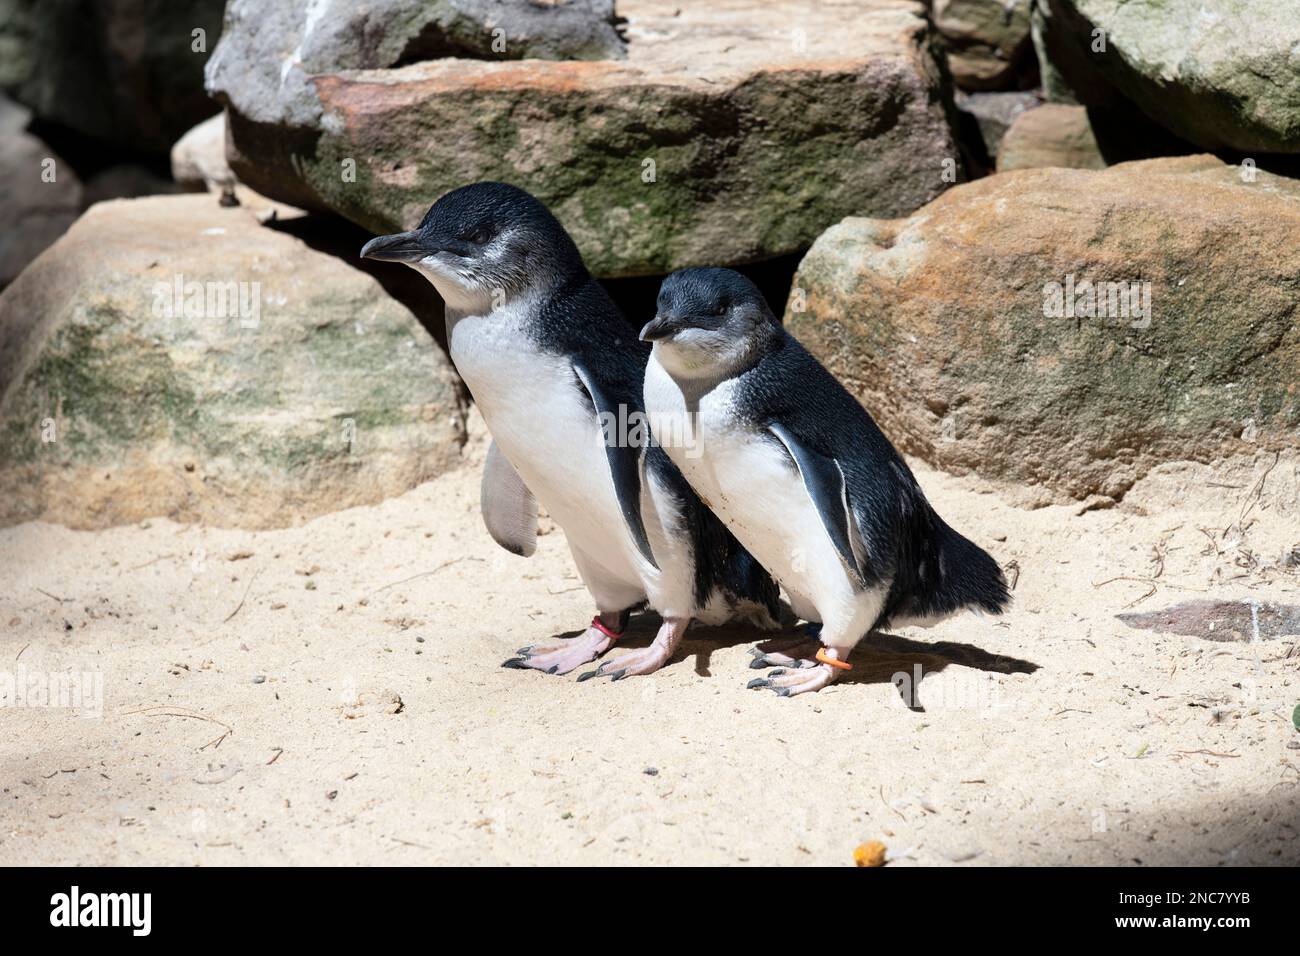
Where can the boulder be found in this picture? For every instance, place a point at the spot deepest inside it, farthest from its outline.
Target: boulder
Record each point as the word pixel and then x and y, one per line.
pixel 40 195
pixel 264 70
pixel 731 132
pixel 1221 74
pixel 126 72
pixel 169 356
pixel 994 113
pixel 199 158
pixel 1054 134
pixel 987 41
pixel 1068 330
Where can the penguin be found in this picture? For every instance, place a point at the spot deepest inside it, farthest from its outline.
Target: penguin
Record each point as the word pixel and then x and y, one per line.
pixel 556 370
pixel 802 476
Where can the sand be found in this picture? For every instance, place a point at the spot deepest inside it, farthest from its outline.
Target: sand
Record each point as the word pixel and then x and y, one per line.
pixel 332 694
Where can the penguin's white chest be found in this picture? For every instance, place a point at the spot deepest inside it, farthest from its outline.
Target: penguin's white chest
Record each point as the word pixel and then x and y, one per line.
pixel 753 486
pixel 546 426
pixel 539 418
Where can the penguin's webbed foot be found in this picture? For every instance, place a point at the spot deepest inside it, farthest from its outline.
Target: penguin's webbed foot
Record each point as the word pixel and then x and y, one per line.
pixel 798 654
pixel 648 659
pixel 562 658
pixel 801 678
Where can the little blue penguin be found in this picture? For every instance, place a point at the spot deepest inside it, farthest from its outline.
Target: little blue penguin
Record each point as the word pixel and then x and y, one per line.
pixel 802 476
pixel 556 371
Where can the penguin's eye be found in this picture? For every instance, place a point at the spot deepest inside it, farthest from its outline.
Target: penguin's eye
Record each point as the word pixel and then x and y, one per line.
pixel 720 309
pixel 478 235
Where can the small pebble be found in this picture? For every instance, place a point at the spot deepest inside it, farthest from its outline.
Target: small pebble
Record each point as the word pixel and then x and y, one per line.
pixel 259 679
pixel 871 853
pixel 651 771
pixel 419 640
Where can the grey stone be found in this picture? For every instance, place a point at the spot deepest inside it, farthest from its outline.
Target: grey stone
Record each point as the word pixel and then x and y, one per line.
pixel 1221 74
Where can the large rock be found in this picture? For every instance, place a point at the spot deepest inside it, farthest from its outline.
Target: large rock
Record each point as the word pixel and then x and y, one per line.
pixel 269 53
pixel 172 357
pixel 1222 74
pixel 40 195
pixel 994 113
pixel 987 41
pixel 732 131
pixel 128 72
pixel 1054 134
pixel 952 327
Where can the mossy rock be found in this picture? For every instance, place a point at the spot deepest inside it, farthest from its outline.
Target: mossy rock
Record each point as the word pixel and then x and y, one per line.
pixel 952 328
pixel 169 356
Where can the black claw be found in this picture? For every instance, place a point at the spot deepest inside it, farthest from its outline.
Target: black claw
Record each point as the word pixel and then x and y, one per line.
pixel 523 651
pixel 777 673
pixel 782 691
pixel 515 663
pixel 618 675
pixel 553 668
pixel 758 682
pixel 758 663
pixel 588 675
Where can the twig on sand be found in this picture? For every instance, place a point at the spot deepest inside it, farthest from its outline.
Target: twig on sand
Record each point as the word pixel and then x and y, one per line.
pixel 20 653
pixel 425 574
pixel 420 846
pixel 54 597
pixel 1147 581
pixel 1257 492
pixel 1208 753
pixel 166 710
pixel 248 588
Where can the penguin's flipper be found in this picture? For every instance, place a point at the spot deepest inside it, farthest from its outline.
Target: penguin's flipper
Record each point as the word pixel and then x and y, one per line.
pixel 824 480
pixel 509 508
pixel 624 464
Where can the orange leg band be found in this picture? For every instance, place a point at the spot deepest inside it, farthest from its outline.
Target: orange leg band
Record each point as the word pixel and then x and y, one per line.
pixel 838 665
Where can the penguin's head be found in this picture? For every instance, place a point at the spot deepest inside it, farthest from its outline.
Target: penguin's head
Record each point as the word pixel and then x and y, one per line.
pixel 709 323
pixel 483 245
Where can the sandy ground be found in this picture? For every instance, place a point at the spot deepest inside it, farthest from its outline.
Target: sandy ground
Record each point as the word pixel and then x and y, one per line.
pixel 331 694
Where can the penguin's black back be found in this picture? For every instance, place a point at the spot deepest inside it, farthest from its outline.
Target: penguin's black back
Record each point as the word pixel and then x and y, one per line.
pixel 933 570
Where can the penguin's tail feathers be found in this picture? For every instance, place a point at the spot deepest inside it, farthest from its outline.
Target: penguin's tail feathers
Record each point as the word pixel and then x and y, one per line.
pixel 968 576
pixel 753 595
pixel 944 574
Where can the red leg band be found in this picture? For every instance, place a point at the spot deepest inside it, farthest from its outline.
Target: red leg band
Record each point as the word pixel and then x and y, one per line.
pixel 599 625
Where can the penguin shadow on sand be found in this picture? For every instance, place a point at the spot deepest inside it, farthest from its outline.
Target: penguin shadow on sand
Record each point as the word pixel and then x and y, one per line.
pixel 878 659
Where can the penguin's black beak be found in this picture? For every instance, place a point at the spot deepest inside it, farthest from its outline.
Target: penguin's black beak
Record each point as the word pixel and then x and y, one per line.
pixel 663 327
pixel 399 247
